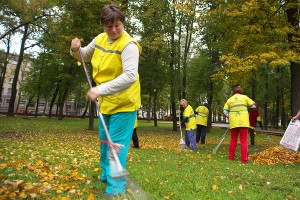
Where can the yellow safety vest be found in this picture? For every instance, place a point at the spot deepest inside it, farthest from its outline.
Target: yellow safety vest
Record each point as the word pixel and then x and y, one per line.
pixel 202 115
pixel 237 105
pixel 136 123
pixel 191 123
pixel 107 65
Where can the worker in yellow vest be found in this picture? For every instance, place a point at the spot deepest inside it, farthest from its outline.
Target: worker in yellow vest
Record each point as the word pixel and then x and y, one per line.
pixel 190 124
pixel 201 121
pixel 114 55
pixel 236 109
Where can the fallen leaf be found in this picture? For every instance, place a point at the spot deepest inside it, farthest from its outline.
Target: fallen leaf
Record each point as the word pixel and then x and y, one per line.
pixel 214 187
pixel 91 196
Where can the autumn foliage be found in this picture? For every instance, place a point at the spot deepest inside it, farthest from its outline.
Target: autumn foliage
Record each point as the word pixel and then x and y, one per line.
pixel 274 155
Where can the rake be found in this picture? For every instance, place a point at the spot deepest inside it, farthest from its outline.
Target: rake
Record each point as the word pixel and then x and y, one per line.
pixel 181 141
pixel 220 142
pixel 116 168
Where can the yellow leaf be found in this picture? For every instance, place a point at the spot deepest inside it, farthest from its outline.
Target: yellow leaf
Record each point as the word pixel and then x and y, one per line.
pixel 147 180
pixel 96 169
pixel 32 195
pixel 22 195
pixel 241 187
pixel 3 165
pixel 40 162
pixel 91 197
pixel 73 191
pixel 214 187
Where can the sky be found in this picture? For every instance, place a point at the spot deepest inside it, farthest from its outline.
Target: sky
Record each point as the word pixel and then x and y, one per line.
pixel 16 44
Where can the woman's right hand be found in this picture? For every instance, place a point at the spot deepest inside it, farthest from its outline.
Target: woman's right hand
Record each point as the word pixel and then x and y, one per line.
pixel 75 44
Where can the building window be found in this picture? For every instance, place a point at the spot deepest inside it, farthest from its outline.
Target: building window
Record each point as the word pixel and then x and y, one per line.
pixel 11 80
pixel 22 103
pixel 9 91
pixel 7 101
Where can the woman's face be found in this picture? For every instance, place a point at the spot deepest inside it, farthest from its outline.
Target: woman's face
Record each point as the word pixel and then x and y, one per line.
pixel 115 30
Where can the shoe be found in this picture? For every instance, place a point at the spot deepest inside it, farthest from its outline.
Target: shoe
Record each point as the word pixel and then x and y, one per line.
pixel 103 181
pixel 247 162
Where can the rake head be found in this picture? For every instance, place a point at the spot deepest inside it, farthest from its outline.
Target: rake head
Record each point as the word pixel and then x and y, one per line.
pixel 116 169
pixel 181 141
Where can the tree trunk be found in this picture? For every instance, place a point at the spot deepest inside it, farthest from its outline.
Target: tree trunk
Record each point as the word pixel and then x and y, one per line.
pixel 293 38
pixel 62 103
pixel 149 109
pixel 92 115
pixel 277 108
pixel 210 100
pixel 4 66
pixel 187 45
pixel 154 107
pixel 172 74
pixel 53 99
pixel 37 106
pixel 16 76
pixel 253 87
pixel 26 108
pixel 85 110
pixel 266 121
pixel 283 119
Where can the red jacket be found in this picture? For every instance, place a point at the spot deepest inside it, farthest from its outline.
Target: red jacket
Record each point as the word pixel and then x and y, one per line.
pixel 253 117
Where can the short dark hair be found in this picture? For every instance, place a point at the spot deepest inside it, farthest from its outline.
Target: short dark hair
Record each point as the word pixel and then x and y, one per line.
pixel 237 89
pixel 110 14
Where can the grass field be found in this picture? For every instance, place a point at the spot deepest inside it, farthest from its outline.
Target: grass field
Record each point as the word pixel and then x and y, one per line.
pixel 45 158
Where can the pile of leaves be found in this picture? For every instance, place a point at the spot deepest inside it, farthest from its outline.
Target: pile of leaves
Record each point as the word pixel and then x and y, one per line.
pixel 275 154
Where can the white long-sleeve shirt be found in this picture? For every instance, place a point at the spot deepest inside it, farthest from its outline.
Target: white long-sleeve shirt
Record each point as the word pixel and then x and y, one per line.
pixel 130 61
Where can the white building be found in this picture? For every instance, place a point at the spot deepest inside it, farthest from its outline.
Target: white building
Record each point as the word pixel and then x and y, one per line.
pixel 20 102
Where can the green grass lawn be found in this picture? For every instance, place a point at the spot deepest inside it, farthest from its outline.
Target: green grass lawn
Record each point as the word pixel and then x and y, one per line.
pixel 46 158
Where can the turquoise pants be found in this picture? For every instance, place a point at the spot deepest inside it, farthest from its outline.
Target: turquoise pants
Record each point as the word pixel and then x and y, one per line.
pixel 120 127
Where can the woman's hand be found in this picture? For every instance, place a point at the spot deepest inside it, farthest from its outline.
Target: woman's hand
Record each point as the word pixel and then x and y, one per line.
pixel 92 94
pixel 75 44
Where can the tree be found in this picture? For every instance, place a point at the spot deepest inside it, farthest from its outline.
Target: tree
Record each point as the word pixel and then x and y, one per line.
pixel 250 35
pixel 154 52
pixel 292 11
pixel 4 64
pixel 28 17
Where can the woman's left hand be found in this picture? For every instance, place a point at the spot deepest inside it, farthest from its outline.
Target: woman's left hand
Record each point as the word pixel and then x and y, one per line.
pixel 92 94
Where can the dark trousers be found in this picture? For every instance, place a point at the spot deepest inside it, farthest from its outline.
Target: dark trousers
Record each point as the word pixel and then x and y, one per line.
pixel 252 136
pixel 135 139
pixel 201 133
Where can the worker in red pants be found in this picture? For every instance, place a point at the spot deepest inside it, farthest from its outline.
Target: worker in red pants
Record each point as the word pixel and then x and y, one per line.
pixel 236 109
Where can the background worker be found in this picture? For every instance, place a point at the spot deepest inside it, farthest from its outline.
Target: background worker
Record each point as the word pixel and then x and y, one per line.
pixel 201 121
pixel 254 118
pixel 114 55
pixel 190 124
pixel 236 109
pixel 135 138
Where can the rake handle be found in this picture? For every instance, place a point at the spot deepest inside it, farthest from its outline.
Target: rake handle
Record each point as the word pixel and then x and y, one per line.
pixel 96 103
